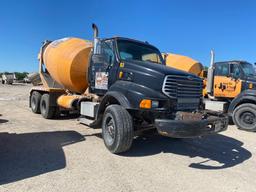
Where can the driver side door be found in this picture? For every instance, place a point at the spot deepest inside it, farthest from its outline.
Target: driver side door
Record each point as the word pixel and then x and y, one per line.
pixel 101 69
pixel 227 82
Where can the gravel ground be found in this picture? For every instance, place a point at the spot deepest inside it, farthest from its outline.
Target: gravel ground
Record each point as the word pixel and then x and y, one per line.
pixel 62 155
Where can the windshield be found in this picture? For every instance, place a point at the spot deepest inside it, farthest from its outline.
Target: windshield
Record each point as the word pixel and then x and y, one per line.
pixel 129 50
pixel 248 69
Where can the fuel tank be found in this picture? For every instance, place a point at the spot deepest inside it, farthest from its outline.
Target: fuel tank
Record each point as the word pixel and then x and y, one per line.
pixel 183 63
pixel 67 62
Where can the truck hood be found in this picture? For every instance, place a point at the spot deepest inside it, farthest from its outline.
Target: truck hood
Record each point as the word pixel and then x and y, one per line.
pixel 151 74
pixel 160 68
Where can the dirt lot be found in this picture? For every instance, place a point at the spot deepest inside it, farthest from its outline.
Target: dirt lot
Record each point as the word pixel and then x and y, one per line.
pixel 62 155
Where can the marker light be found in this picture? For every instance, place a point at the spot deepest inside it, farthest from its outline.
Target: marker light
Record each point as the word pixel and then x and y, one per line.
pixel 145 104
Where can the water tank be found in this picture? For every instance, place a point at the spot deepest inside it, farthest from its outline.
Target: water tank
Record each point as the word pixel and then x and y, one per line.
pixel 67 62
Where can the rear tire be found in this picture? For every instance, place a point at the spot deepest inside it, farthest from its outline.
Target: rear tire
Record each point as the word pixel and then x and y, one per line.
pixel 47 111
pixel 244 117
pixel 35 102
pixel 117 129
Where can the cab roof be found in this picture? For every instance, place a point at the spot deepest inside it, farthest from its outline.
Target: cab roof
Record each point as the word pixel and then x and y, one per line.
pixel 129 39
pixel 232 62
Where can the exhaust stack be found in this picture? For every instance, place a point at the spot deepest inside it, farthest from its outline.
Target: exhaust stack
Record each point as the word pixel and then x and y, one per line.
pixel 96 48
pixel 210 75
pixel 95 31
pixel 212 58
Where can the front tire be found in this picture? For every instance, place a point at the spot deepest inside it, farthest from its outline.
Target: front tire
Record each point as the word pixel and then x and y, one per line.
pixel 35 102
pixel 244 116
pixel 47 111
pixel 117 129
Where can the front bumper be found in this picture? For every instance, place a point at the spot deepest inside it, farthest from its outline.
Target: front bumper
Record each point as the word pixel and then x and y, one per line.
pixel 188 126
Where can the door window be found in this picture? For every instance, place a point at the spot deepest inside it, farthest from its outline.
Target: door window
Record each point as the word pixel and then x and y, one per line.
pixel 235 70
pixel 222 69
pixel 108 53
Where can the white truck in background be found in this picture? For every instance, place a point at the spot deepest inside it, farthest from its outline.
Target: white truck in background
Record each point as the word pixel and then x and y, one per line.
pixel 8 78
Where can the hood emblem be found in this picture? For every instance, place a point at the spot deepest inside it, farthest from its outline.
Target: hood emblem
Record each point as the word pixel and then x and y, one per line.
pixel 190 78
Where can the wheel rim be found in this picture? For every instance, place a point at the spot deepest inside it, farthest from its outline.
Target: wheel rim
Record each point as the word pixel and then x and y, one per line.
pixel 110 129
pixel 248 119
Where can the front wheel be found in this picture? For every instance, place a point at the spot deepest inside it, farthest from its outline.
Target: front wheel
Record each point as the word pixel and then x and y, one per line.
pixel 117 129
pixel 244 116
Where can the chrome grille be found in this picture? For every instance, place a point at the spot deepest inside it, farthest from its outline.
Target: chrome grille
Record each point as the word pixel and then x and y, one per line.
pixel 186 89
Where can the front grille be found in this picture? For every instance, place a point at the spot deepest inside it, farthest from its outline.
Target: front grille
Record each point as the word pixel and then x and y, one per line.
pixel 186 89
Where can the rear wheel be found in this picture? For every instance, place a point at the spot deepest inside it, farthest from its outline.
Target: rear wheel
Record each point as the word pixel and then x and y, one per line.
pixel 47 111
pixel 117 129
pixel 35 102
pixel 244 116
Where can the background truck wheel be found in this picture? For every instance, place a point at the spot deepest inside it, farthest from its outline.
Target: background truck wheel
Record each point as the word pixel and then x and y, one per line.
pixel 244 116
pixel 117 129
pixel 35 101
pixel 47 111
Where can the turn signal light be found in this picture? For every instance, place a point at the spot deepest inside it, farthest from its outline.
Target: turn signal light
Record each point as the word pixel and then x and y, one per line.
pixel 121 74
pixel 250 86
pixel 146 104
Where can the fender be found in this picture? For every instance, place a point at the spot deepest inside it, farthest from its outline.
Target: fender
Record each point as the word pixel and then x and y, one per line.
pixel 127 94
pixel 247 96
pixel 111 97
pixel 134 92
pixel 114 97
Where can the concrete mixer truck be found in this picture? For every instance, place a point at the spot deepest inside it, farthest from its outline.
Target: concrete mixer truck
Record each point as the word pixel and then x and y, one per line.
pixel 122 86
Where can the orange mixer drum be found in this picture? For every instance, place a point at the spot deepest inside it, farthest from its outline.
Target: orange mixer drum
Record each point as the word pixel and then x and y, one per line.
pixel 184 63
pixel 67 62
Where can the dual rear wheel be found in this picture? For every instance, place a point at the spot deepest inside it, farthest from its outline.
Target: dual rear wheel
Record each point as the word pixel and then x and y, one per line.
pixel 40 103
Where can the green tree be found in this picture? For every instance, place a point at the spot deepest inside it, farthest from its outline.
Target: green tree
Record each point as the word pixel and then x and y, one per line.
pixel 20 76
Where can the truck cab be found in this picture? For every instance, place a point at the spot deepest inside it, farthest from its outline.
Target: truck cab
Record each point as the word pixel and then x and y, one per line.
pixel 123 65
pixel 114 59
pixel 136 71
pixel 233 77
